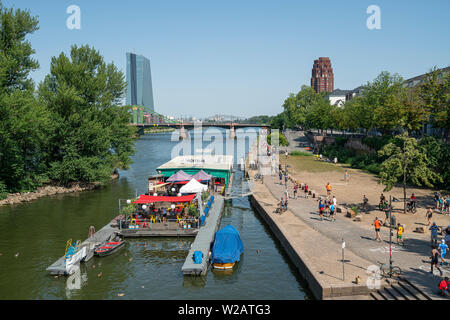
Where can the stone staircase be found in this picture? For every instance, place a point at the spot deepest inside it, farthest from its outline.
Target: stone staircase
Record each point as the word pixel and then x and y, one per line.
pixel 399 289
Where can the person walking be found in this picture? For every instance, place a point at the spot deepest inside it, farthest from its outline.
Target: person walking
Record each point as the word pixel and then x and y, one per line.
pixel 295 189
pixel 435 260
pixel 443 248
pixel 437 195
pixel 346 176
pixel 377 224
pixel 306 191
pixel 281 176
pixel 434 234
pixel 334 201
pixel 321 208
pixel 286 178
pixel 332 211
pixel 429 215
pixel 328 187
pixel 365 204
pixel 400 231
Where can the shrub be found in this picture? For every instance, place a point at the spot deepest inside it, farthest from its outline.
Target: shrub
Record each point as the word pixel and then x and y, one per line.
pixel 3 191
pixel 282 140
pixel 301 153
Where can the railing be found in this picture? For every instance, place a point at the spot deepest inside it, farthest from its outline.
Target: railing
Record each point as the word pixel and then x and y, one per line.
pixel 167 224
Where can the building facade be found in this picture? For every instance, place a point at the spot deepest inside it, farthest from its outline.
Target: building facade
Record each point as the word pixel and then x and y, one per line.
pixel 322 79
pixel 139 82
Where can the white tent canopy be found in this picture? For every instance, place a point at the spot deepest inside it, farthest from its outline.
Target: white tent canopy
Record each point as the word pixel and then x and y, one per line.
pixel 193 186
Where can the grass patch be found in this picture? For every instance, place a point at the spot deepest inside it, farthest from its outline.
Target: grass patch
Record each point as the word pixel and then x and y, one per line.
pixel 310 164
pixel 301 153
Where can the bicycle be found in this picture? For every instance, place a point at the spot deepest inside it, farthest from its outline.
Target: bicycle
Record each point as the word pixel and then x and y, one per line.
pixel 411 207
pixel 386 271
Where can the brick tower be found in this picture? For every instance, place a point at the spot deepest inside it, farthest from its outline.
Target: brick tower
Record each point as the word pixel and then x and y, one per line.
pixel 322 75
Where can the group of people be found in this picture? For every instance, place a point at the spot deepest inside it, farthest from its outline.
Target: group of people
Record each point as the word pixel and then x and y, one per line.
pixel 442 204
pixel 327 206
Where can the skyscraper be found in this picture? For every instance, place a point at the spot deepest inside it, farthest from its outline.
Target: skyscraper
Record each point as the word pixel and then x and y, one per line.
pixel 139 79
pixel 322 76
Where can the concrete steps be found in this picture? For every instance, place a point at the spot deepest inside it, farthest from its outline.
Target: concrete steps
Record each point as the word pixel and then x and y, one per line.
pixel 400 289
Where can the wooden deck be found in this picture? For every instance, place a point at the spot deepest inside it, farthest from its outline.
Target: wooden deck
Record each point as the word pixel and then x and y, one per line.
pixel 59 267
pixel 204 239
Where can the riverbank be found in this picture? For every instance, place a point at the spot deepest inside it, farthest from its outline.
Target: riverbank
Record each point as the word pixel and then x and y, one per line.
pixel 50 190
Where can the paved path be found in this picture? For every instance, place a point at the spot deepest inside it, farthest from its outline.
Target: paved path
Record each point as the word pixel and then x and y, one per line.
pixel 413 259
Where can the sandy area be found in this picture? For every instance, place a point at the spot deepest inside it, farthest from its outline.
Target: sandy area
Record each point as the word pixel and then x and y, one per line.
pixel 361 183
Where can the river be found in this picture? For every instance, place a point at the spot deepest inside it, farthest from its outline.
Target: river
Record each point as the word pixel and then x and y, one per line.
pixel 33 236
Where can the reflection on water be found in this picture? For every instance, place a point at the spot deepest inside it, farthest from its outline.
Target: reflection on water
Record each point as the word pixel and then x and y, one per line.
pixel 145 268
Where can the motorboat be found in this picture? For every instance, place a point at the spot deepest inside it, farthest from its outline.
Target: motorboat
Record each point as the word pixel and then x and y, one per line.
pixel 227 248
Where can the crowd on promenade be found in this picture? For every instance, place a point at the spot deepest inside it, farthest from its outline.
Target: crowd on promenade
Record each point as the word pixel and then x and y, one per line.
pixel 327 207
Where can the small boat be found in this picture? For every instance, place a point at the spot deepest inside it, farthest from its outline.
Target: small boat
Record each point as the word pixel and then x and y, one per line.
pixel 227 248
pixel 109 247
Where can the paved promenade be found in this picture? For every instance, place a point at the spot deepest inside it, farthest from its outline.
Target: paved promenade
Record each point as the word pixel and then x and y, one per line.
pixel 323 239
pixel 321 255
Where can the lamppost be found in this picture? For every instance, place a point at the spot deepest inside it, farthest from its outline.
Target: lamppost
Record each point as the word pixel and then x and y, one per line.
pixel 390 236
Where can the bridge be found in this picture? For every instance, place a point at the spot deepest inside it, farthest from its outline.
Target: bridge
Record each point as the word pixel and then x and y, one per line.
pixel 142 119
pixel 184 126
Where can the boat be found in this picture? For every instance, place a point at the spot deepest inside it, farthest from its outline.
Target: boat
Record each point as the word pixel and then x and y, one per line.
pixel 109 247
pixel 227 248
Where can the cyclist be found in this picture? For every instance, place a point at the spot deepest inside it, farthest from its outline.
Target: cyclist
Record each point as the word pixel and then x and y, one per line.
pixel 383 202
pixel 365 203
pixel 412 202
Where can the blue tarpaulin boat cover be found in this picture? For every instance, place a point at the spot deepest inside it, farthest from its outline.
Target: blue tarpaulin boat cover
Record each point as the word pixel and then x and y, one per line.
pixel 228 246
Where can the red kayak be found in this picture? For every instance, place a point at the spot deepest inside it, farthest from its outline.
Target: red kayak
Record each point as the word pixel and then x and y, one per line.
pixel 108 248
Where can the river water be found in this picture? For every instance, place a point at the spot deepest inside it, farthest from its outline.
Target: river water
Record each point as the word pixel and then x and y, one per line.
pixel 33 236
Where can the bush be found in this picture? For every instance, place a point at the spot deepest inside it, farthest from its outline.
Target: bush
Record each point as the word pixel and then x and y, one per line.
pixel 301 153
pixel 282 140
pixel 3 191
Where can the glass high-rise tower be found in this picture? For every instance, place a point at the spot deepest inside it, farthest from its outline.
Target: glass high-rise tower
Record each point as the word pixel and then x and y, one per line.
pixel 139 79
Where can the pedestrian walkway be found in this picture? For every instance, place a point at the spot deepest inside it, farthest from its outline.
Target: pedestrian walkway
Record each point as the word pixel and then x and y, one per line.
pixel 321 258
pixel 413 259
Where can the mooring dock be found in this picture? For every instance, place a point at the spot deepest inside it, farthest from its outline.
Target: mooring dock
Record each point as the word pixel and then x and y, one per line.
pixel 204 239
pixel 59 267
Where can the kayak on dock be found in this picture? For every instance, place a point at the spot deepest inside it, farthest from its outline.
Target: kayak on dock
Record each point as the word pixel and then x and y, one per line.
pixel 109 247
pixel 227 248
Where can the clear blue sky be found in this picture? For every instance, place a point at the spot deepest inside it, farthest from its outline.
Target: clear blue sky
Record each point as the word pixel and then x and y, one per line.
pixel 245 57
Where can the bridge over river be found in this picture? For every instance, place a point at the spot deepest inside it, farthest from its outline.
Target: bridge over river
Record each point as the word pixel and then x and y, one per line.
pixel 184 126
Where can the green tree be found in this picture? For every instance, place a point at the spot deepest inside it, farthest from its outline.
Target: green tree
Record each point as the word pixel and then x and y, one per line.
pixel 404 162
pixel 91 136
pixel 435 94
pixel 297 106
pixel 24 122
pixel 379 97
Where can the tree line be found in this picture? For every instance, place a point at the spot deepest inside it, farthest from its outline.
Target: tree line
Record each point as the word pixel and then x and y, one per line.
pixel 68 128
pixel 384 105
pixel 396 113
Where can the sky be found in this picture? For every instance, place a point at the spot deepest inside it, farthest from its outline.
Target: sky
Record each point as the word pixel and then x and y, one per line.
pixel 243 58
